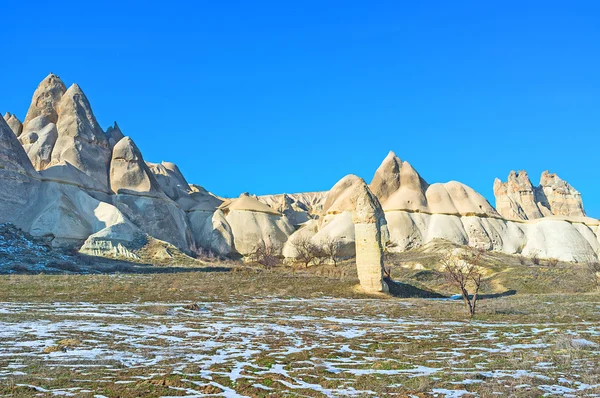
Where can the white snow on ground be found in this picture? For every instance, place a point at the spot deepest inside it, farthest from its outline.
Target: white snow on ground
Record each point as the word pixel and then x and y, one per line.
pixel 130 336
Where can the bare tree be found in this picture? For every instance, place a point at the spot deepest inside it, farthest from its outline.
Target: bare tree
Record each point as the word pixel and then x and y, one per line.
pixel 265 254
pixel 463 271
pixel 331 249
pixel 306 250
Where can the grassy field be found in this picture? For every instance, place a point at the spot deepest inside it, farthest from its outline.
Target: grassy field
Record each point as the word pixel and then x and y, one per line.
pixel 240 331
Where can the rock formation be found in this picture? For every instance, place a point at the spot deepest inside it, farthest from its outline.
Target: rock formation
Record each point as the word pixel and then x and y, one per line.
pixel 65 180
pixel 128 171
pixel 38 140
pixel 252 221
pixel 81 142
pixel 559 196
pixel 518 199
pixel 114 135
pixel 367 217
pixel 45 99
pixel 14 123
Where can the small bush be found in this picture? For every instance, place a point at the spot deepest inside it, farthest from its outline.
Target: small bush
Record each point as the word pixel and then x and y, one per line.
pixel 552 262
pixel 265 254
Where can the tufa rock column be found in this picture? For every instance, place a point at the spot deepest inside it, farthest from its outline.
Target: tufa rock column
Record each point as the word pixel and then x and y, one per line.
pixel 367 218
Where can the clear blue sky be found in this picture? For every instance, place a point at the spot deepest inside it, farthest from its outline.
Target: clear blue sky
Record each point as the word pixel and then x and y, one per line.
pixel 290 96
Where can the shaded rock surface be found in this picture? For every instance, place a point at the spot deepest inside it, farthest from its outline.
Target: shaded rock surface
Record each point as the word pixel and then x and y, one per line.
pixel 14 123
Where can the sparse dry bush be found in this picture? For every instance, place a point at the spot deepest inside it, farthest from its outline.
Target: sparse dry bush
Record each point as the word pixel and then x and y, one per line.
pixel 552 262
pixel 331 249
pixel 463 271
pixel 535 258
pixel 203 254
pixel 265 254
pixel 308 252
pixel 593 267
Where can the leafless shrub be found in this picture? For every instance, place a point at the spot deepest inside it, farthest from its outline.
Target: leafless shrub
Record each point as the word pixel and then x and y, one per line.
pixel 203 254
pixel 331 249
pixel 535 258
pixel 308 252
pixel 265 254
pixel 552 262
pixel 463 271
pixel 593 267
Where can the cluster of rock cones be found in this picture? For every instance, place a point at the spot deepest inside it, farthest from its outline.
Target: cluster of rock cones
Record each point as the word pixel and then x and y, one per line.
pixel 64 178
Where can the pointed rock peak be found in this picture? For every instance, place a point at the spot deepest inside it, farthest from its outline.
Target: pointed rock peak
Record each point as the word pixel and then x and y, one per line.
pixel 127 150
pixel 14 123
pixel 114 134
pixel 559 196
pixel 392 157
pixel 128 171
pixel 387 177
pixel 74 89
pixel 45 99
pixel 74 104
pixel 393 174
pixel 340 197
pixel 12 154
pixel 410 178
pixel 114 128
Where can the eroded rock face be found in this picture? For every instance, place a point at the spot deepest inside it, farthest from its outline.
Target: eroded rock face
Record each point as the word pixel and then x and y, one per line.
pixel 516 198
pixel 559 196
pixel 14 123
pixel 38 140
pixel 140 197
pixel 252 221
pixel 367 218
pixel 399 187
pixel 212 231
pixel 81 142
pixel 519 199
pixel 114 135
pixel 128 171
pixel 45 99
pixel 171 179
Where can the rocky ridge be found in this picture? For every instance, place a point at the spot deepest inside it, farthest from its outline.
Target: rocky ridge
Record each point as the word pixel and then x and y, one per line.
pixel 519 199
pixel 64 179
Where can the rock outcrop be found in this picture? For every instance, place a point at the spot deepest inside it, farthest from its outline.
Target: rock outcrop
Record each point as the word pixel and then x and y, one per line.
pixel 518 199
pixel 128 171
pixel 139 196
pixel 114 135
pixel 38 140
pixel 45 99
pixel 81 142
pixel 252 221
pixel 65 180
pixel 559 196
pixel 335 219
pixel 367 219
pixel 418 213
pixel 14 123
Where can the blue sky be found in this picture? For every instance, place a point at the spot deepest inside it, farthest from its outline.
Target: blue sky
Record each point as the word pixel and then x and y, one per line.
pixel 290 96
